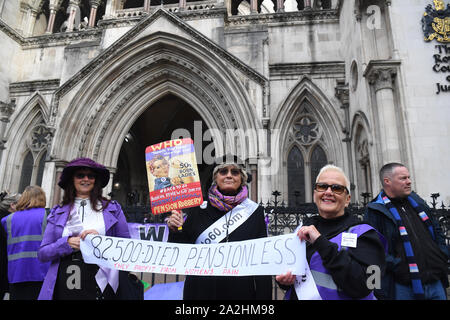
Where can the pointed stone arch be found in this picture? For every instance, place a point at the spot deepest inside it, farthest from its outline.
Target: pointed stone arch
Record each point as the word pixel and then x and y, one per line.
pixel 109 100
pixel 38 99
pixel 30 121
pixel 308 106
pixel 362 143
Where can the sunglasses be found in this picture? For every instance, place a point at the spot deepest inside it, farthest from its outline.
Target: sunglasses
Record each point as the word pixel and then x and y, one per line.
pixel 81 175
pixel 234 172
pixel 335 188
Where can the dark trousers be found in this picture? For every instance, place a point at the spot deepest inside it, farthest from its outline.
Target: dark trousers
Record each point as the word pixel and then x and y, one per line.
pixel 76 281
pixel 25 290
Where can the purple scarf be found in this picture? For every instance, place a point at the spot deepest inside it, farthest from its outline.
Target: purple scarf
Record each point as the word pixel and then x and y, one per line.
pixel 226 203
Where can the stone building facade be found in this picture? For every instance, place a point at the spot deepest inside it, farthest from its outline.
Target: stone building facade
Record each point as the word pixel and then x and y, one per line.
pixel 288 86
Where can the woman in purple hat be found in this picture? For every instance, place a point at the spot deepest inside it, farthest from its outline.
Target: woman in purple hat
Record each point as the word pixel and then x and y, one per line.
pixel 83 211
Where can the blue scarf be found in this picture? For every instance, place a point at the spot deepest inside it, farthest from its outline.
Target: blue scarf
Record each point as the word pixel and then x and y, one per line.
pixel 413 268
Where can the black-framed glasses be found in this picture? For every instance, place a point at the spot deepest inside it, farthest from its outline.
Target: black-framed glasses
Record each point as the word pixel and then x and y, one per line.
pixel 81 175
pixel 234 172
pixel 335 188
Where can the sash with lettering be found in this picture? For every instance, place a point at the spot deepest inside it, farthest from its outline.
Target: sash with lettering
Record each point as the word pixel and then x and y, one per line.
pixel 231 221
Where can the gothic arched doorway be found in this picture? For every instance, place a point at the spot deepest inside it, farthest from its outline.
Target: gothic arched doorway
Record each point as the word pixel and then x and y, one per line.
pixel 163 120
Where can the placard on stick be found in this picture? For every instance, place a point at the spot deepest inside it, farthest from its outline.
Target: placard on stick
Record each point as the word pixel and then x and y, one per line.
pixel 173 178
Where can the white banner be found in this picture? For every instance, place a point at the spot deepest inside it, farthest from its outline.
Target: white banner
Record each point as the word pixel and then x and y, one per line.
pixel 264 256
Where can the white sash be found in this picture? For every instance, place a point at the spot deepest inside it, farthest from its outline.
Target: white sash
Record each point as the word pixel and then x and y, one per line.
pixel 235 217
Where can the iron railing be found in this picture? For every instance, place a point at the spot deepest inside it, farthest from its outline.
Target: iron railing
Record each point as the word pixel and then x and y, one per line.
pixel 282 219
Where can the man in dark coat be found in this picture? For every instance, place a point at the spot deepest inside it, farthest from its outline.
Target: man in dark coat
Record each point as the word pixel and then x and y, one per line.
pixel 417 259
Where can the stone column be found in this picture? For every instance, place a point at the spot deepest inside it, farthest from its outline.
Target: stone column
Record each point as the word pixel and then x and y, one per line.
pixel 147 5
pixel 308 179
pixel 253 163
pixel 182 5
pixel 381 76
pixel 73 7
pixel 29 20
pixel 6 110
pixel 395 54
pixel 228 6
pixel 307 4
pixel 58 192
pixel 253 6
pixel 93 14
pixel 343 94
pixel 280 5
pixel 51 19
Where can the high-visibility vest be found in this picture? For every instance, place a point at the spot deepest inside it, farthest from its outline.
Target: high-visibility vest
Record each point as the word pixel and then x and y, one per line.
pixel 25 230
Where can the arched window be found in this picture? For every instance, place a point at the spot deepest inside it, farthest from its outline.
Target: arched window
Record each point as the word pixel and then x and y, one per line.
pixel 40 169
pixel 363 166
pixel 32 172
pixel 37 142
pixel 306 156
pixel 296 176
pixel 27 171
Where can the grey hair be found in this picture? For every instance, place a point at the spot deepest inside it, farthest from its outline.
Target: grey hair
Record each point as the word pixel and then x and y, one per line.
pixel 330 167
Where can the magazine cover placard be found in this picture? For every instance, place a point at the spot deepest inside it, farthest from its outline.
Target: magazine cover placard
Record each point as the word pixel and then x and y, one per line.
pixel 173 178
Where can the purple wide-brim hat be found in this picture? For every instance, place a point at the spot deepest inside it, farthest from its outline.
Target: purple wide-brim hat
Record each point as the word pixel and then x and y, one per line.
pixel 79 163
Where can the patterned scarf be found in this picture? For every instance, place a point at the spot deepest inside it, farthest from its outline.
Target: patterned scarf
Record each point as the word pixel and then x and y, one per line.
pixel 413 268
pixel 226 203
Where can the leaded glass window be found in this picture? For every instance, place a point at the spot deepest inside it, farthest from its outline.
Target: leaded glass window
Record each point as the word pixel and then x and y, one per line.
pixel 27 171
pixel 296 176
pixel 41 169
pixel 318 160
pixel 306 156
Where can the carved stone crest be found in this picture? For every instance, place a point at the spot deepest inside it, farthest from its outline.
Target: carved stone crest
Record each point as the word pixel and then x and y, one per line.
pixel 436 22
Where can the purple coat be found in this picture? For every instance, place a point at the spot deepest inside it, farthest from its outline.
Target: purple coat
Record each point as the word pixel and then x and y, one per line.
pixel 54 246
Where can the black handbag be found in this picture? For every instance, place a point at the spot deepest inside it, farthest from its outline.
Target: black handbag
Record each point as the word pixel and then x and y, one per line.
pixel 130 287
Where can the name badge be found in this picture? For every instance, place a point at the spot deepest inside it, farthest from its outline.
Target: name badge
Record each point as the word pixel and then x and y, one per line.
pixel 349 240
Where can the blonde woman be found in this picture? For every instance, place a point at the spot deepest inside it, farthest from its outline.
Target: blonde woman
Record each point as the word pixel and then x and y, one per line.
pixel 339 248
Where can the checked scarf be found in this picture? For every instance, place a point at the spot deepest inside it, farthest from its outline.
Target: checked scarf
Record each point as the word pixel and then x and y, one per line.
pixel 413 268
pixel 223 202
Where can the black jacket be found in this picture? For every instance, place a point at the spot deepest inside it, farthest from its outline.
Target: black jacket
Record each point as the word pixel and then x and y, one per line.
pixel 381 219
pixel 348 268
pixel 223 287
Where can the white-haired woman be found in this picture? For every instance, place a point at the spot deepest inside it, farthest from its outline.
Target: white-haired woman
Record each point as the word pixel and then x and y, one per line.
pixel 340 248
pixel 228 204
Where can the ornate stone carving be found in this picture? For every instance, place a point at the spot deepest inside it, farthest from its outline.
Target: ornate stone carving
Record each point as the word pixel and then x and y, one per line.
pixel 306 130
pixel 117 46
pixel 41 137
pixel 154 77
pixel 6 110
pixel 362 149
pixel 342 93
pixel 382 78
